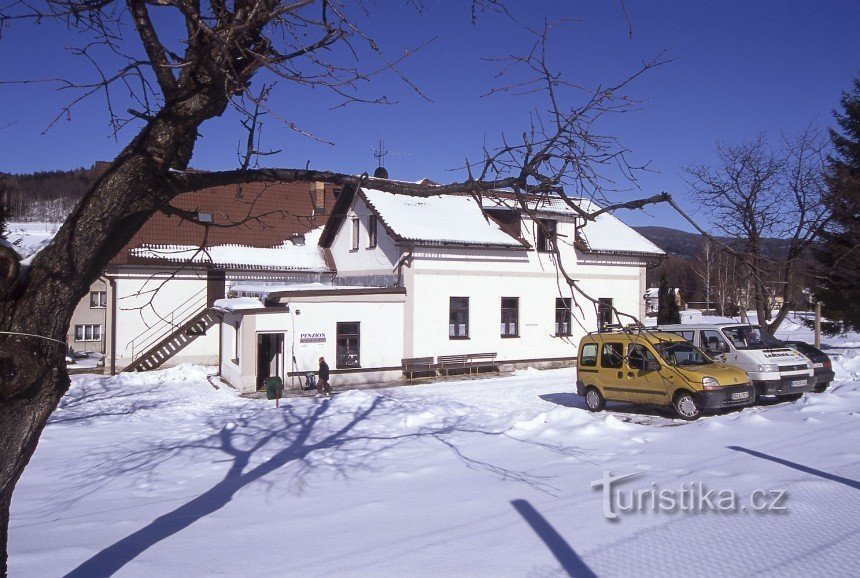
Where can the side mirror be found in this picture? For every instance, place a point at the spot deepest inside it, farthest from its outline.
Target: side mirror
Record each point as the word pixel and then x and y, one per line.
pixel 652 366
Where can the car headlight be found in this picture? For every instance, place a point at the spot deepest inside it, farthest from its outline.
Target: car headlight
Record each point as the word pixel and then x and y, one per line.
pixel 710 383
pixel 767 368
pixel 809 365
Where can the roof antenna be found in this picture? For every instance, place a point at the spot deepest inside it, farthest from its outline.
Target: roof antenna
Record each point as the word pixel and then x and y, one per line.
pixel 380 153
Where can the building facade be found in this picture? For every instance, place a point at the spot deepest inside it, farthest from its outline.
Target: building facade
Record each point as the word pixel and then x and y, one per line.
pixel 524 285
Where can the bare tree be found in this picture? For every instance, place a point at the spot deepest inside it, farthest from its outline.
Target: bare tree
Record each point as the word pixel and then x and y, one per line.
pixel 703 265
pixel 318 44
pixel 756 193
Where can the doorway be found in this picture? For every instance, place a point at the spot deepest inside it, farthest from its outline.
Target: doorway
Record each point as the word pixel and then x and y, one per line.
pixel 270 357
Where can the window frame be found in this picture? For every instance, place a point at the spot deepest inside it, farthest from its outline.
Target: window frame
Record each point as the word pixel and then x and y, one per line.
pixel 604 308
pixel 355 236
pixel 372 228
pixel 592 361
pixel 454 328
pixel 566 306
pixel 620 354
pixel 101 300
pixel 339 361
pixel 82 329
pixel 512 312
pixel 545 240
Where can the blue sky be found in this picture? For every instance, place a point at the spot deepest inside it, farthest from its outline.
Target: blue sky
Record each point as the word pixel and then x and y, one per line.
pixel 740 68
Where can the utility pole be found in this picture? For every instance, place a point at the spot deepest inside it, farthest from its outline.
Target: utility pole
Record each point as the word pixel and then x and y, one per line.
pixel 818 324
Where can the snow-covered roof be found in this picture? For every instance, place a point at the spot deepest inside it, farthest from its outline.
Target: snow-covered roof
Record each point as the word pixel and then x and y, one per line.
pixel 608 234
pixel 605 234
pixel 438 219
pixel 238 303
pixel 307 257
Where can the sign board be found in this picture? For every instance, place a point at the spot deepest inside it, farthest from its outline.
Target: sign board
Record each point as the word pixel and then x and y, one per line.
pixel 312 338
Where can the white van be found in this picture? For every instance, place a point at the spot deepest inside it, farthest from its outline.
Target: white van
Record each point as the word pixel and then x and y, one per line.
pixel 775 369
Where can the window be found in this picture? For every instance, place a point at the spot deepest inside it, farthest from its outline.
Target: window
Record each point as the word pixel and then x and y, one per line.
pixel 458 318
pixel 98 299
pixel 355 233
pixel 638 356
pixel 604 313
pixel 688 335
pixel 348 344
pixel 712 342
pixel 546 235
pixel 612 355
pixel 588 357
pixel 510 317
pixel 88 332
pixel 562 316
pixel 371 232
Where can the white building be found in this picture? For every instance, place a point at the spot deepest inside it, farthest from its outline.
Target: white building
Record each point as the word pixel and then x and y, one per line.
pixel 437 276
pixel 152 306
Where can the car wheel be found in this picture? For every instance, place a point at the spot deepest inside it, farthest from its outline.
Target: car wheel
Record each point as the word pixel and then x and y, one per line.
pixel 821 388
pixel 791 397
pixel 686 406
pixel 594 401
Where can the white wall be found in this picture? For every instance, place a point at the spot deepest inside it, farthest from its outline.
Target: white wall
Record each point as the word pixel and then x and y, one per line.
pixel 381 341
pixel 438 274
pixel 150 303
pixel 379 260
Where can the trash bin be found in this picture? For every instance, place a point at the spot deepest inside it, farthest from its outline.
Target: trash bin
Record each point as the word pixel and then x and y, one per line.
pixel 310 380
pixel 274 387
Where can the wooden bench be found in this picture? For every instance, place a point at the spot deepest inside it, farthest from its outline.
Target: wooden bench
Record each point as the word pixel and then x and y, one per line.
pixel 413 365
pixel 469 361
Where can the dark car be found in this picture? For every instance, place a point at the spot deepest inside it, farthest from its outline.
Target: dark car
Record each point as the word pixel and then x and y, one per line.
pixel 820 363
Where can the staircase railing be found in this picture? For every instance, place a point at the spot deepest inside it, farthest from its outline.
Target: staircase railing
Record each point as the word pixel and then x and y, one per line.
pixel 174 342
pixel 166 325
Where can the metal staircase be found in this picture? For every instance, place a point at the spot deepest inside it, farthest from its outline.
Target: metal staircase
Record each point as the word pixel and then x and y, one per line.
pixel 196 326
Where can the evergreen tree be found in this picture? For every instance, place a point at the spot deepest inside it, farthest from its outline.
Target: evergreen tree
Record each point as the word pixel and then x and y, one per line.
pixel 672 311
pixel 839 275
pixel 663 299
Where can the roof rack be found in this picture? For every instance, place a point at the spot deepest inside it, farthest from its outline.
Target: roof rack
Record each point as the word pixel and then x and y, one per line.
pixel 629 329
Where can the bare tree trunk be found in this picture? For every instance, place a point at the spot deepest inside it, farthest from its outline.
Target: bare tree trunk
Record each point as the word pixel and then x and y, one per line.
pixel 33 377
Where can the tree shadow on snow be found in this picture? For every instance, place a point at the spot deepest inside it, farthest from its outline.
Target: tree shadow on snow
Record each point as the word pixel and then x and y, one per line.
pixel 566 556
pixel 339 435
pixel 799 467
pixel 100 398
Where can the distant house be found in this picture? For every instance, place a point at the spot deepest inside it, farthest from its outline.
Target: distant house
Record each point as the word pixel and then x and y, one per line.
pixel 439 275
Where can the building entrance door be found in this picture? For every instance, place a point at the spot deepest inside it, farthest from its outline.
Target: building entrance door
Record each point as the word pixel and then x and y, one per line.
pixel 270 357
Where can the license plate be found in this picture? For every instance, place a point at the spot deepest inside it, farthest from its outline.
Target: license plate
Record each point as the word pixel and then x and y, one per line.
pixel 817 365
pixel 798 383
pixel 741 395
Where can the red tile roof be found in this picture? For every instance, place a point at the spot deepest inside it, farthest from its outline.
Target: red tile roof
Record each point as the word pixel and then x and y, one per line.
pixel 262 215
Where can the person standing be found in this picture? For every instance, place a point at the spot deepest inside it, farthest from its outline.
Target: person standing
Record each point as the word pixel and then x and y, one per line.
pixel 323 387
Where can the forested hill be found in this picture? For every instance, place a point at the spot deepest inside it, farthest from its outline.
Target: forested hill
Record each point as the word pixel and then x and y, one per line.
pixel 684 244
pixel 48 195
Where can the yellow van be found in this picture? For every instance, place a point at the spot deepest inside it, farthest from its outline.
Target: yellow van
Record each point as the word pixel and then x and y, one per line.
pixel 656 368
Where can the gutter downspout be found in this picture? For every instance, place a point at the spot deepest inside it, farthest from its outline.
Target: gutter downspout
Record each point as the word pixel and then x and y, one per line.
pixel 398 267
pixel 112 283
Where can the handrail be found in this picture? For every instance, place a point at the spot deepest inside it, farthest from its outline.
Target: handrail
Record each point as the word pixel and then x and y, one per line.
pixel 166 325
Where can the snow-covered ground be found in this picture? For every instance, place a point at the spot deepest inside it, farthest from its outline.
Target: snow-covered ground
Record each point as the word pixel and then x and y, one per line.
pixel 162 474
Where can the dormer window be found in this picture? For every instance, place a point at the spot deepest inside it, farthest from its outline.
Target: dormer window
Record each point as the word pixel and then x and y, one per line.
pixel 546 234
